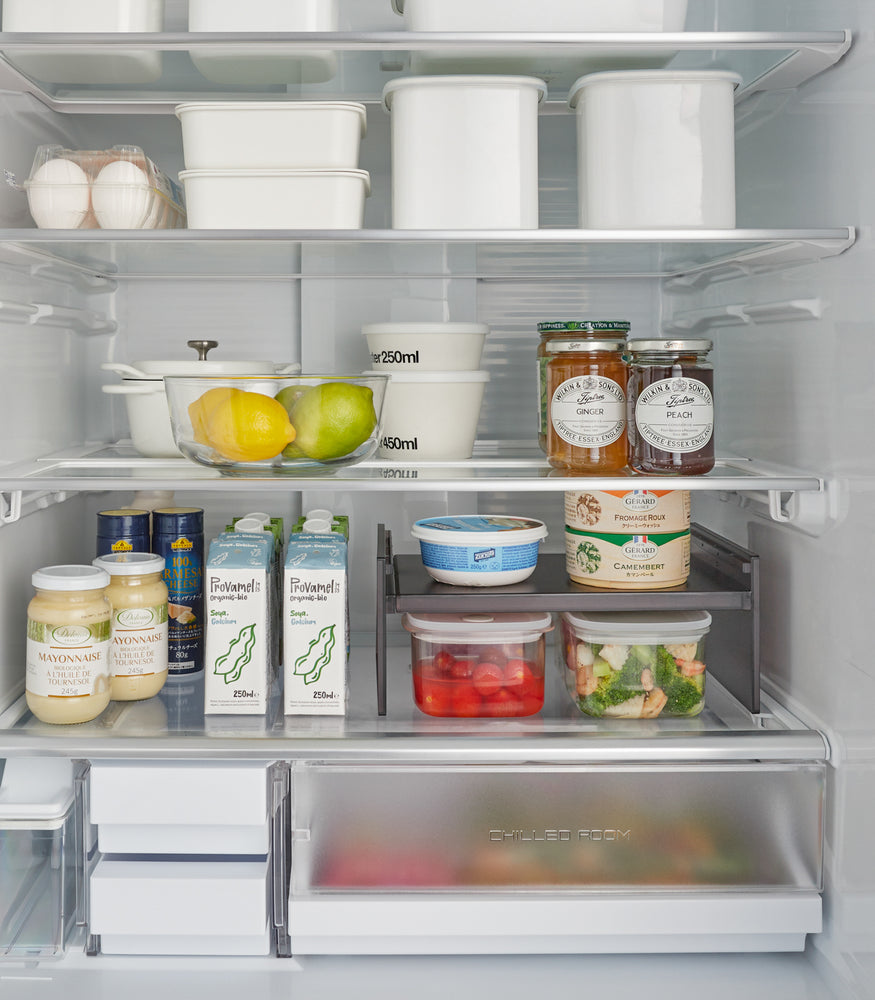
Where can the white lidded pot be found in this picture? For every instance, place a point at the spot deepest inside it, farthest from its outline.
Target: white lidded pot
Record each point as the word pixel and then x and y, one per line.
pixel 146 399
pixel 441 347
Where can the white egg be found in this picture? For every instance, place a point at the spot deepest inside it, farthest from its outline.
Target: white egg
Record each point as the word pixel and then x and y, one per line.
pixel 121 196
pixel 58 195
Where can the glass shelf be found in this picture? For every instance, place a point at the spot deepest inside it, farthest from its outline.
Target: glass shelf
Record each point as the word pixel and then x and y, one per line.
pixel 357 65
pixel 114 467
pixel 534 255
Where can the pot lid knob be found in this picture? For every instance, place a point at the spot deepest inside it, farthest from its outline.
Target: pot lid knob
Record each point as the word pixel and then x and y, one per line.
pixel 202 347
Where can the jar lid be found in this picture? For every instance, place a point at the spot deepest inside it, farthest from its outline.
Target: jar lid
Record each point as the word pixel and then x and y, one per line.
pixel 574 345
pixel 130 563
pixel 696 346
pixel 169 520
pixel 585 326
pixel 126 519
pixel 472 626
pixel 70 578
pixel 476 529
pixel 642 627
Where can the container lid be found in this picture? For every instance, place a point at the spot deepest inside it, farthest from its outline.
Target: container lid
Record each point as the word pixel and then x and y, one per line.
pixel 574 345
pixel 70 578
pixel 126 519
pixel 696 346
pixel 462 376
pixel 35 792
pixel 650 77
pixel 316 526
pixel 130 563
pixel 475 625
pixel 477 529
pixel 262 172
pixel 644 627
pixel 585 326
pixel 251 526
pixel 172 520
pixel 284 106
pixel 320 514
pixel 418 328
pixel 418 82
pixel 201 365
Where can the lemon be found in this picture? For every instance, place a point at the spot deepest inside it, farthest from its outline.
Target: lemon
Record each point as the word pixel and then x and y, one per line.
pixel 199 411
pixel 333 419
pixel 248 427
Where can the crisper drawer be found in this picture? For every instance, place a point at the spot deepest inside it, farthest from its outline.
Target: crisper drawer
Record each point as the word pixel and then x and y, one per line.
pixel 590 828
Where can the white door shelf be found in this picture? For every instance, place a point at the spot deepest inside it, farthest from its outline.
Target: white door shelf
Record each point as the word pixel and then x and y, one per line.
pixel 766 60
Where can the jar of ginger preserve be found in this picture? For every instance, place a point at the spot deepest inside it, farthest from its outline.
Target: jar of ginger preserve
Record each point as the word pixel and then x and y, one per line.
pixel 68 637
pixel 138 650
pixel 586 393
pixel 671 407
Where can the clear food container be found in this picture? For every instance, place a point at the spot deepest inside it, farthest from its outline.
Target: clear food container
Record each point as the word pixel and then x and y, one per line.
pixel 478 665
pixel 117 188
pixel 635 665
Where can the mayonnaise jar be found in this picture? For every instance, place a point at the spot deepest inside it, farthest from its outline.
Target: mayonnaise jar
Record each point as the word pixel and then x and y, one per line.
pixel 138 650
pixel 67 676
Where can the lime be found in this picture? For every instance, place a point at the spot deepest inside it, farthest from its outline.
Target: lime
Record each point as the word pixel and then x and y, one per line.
pixel 331 420
pixel 248 427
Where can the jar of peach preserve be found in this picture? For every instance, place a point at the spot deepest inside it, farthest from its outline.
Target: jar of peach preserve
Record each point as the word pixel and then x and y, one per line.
pixel 586 393
pixel 671 407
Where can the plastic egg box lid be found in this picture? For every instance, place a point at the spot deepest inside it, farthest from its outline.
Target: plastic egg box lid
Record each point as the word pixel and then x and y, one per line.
pixel 91 162
pixel 35 793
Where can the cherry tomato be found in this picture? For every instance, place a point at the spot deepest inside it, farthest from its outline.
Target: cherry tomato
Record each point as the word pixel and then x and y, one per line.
pixel 491 654
pixel 436 698
pixel 443 661
pixel 503 705
pixel 462 669
pixel 532 704
pixel 465 702
pixel 488 678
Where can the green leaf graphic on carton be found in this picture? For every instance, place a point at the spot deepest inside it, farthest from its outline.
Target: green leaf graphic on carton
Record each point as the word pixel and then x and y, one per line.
pixel 238 654
pixel 311 664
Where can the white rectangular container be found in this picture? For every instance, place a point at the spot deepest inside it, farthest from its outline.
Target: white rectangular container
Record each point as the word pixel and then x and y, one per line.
pixel 181 907
pixel 271 64
pixel 95 65
pixel 275 199
pixel 464 151
pixel 272 134
pixel 431 416
pixel 549 15
pixel 656 149
pixel 175 808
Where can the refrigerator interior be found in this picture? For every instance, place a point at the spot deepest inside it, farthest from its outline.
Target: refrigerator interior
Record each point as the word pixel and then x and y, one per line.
pixel 793 357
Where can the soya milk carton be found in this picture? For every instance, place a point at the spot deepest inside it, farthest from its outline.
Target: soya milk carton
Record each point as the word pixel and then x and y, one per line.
pixel 240 646
pixel 315 625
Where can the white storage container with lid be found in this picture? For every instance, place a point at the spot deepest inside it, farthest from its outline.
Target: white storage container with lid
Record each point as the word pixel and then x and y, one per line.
pixel 431 416
pixel 635 665
pixel 548 15
pixel 477 550
pixel 441 347
pixel 92 65
pixel 272 134
pixel 656 149
pixel 464 151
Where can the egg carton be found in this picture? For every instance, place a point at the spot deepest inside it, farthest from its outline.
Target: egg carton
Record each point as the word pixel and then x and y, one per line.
pixel 118 188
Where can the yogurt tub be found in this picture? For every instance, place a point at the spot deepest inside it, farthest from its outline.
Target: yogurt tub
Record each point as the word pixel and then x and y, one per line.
pixel 479 550
pixel 431 416
pixel 441 347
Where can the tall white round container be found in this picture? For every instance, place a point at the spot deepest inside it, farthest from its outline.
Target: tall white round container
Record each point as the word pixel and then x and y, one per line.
pixel 464 151
pixel 656 149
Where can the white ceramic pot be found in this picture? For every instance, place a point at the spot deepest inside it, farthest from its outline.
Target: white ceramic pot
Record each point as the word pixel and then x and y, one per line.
pixel 93 65
pixel 271 64
pixel 146 400
pixel 431 416
pixel 275 199
pixel 548 15
pixel 282 134
pixel 424 347
pixel 656 149
pixel 464 151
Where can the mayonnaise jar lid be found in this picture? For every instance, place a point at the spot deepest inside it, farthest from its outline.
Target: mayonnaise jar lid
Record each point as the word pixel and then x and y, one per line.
pixel 70 578
pixel 130 563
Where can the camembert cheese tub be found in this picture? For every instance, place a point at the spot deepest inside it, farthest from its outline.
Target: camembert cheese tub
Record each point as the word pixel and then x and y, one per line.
pixel 628 561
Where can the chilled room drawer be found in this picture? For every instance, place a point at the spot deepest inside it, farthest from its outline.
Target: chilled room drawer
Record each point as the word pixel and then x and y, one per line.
pixel 181 808
pixel 181 907
pixel 699 828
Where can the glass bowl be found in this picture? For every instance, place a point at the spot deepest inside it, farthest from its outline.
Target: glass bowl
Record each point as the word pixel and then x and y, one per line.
pixel 276 424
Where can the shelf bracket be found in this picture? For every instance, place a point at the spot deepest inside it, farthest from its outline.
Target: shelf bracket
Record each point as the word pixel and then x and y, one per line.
pixel 14 506
pixel 811 512
pixel 10 507
pixel 79 320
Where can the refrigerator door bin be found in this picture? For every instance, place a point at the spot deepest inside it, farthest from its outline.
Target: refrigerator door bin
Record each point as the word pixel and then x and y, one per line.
pixel 173 807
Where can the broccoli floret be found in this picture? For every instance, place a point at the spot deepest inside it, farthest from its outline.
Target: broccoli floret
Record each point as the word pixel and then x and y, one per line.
pixel 612 690
pixel 646 655
pixel 665 673
pixel 684 696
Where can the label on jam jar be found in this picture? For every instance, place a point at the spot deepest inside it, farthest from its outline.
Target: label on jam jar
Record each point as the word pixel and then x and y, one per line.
pixel 676 415
pixel 589 412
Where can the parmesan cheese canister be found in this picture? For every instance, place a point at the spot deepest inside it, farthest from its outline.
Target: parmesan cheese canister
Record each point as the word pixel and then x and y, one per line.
pixel 628 539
